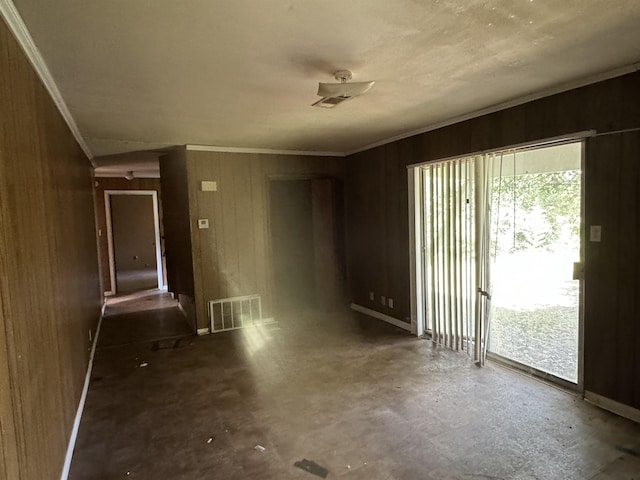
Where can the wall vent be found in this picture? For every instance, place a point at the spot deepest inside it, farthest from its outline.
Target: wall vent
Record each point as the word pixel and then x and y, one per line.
pixel 234 313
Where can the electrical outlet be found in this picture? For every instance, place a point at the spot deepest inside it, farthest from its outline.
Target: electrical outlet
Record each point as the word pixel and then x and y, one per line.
pixel 372 296
pixel 390 302
pixel 383 300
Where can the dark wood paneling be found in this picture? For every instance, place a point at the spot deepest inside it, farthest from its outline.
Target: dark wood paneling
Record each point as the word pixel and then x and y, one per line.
pixel 177 229
pixel 49 288
pixel 377 212
pixel 8 444
pixel 377 228
pixel 611 296
pixel 233 256
pixel 102 184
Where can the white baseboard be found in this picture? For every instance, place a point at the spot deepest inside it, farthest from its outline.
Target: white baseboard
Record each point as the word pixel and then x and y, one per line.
pixel 381 316
pixel 109 293
pixel 613 406
pixel 83 399
pixel 203 331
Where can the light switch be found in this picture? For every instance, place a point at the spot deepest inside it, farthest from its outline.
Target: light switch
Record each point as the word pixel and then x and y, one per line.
pixel 203 223
pixel 209 186
pixel 595 233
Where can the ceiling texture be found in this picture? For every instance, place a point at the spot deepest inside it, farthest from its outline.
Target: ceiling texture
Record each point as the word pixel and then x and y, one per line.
pixel 149 74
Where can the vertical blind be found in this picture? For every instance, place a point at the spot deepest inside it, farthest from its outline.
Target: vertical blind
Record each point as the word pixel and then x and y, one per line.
pixel 456 256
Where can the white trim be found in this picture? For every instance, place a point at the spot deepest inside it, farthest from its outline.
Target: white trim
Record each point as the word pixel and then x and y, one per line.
pixel 381 316
pixel 565 87
pixel 203 331
pixel 415 252
pixel 76 423
pixel 269 151
pixel 109 293
pixel 23 37
pixel 581 282
pixel 112 267
pixel 156 225
pixel 611 405
pixel 540 143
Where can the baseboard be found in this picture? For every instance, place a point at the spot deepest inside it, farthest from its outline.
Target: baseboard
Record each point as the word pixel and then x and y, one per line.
pixel 381 316
pixel 613 406
pixel 83 398
pixel 109 293
pixel 258 323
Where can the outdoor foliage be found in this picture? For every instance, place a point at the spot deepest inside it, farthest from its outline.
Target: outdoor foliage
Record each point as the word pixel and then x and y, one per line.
pixel 536 210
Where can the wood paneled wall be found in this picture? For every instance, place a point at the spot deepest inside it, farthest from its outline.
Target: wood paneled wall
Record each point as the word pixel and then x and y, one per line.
pixel 377 229
pixel 612 289
pixel 102 184
pixel 177 230
pixel 377 204
pixel 233 256
pixel 49 288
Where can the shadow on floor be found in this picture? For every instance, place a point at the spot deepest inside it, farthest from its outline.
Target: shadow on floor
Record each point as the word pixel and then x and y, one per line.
pixel 359 397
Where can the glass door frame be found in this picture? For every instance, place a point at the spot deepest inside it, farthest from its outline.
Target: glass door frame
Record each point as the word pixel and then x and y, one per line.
pixel 416 219
pixel 546 376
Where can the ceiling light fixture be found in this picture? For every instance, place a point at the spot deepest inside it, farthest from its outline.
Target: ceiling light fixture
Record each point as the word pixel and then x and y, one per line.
pixel 334 94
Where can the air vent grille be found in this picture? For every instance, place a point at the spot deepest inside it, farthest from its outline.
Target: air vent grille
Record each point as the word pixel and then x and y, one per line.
pixel 330 102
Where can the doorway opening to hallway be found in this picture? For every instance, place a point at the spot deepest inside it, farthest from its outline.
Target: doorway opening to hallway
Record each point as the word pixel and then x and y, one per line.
pixel 133 238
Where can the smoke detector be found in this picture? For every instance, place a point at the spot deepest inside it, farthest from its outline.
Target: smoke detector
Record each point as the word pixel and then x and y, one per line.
pixel 334 94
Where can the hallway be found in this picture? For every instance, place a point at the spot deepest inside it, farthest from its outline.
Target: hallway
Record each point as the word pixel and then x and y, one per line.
pixel 361 398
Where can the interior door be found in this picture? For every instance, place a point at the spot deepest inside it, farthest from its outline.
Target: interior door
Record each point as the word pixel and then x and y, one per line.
pixel 307 235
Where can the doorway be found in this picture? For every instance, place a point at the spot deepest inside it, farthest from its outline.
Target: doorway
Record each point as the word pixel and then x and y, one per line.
pixel 133 235
pixel 307 238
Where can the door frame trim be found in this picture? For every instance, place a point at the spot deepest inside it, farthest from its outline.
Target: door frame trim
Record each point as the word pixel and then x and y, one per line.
pixel 156 226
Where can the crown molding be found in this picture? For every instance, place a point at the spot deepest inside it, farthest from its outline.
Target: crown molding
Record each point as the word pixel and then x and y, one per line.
pixel 565 87
pixel 268 151
pixel 23 37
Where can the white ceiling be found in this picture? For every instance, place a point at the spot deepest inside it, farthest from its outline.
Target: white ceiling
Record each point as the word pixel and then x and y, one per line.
pixel 146 74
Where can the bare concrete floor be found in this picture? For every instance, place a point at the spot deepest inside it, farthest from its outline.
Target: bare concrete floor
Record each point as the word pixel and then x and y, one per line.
pixel 358 397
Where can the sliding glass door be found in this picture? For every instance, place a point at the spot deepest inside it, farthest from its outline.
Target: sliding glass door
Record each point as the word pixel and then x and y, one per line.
pixel 535 319
pixel 496 238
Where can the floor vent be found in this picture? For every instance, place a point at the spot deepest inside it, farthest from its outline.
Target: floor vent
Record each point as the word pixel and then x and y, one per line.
pixel 234 313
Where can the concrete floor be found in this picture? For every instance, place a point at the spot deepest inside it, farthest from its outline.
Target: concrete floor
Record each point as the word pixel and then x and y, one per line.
pixel 361 398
